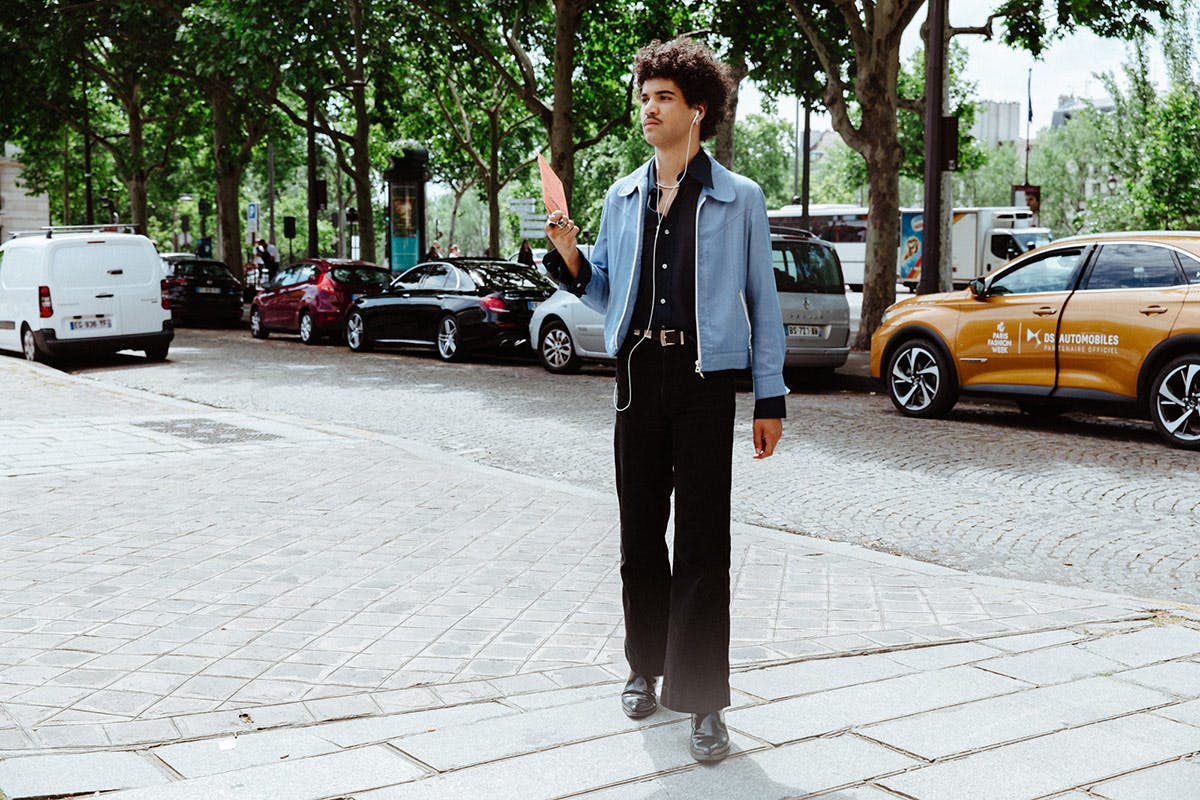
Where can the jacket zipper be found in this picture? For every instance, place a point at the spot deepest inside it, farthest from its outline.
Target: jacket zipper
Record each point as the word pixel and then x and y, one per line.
pixel 699 348
pixel 637 256
pixel 746 311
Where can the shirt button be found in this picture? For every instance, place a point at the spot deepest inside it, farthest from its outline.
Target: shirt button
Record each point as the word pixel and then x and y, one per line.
pixel 662 301
pixel 667 232
pixel 664 266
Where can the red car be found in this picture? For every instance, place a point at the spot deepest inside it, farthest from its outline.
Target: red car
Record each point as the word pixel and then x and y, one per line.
pixel 311 297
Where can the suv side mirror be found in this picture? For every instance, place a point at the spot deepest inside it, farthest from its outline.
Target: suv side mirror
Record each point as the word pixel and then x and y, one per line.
pixel 978 289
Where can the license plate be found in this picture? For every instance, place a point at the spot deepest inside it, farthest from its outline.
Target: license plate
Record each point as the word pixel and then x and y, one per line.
pixel 89 324
pixel 208 289
pixel 534 304
pixel 804 330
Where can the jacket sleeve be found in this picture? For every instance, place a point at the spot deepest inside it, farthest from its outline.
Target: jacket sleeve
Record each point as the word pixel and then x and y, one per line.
pixel 768 343
pixel 591 284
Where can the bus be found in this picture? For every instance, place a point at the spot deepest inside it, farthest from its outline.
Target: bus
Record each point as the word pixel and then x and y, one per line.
pixel 843 226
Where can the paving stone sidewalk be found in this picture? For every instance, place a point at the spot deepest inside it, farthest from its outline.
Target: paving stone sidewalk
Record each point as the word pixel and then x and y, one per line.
pixel 200 603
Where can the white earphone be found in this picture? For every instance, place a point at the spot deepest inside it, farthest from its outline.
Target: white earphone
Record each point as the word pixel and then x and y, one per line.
pixel 696 118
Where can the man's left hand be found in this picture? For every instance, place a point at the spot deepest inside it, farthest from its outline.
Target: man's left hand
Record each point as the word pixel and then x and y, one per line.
pixel 766 436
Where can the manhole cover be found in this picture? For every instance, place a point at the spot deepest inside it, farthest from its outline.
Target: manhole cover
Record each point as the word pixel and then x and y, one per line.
pixel 207 431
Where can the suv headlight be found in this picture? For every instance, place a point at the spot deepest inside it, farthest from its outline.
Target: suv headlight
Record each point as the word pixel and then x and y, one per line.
pixel 887 312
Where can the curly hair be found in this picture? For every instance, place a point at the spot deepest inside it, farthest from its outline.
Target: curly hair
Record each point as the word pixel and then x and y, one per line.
pixel 700 76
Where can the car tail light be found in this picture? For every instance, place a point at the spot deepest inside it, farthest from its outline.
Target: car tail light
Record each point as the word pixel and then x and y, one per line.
pixel 493 303
pixel 326 284
pixel 166 294
pixel 45 306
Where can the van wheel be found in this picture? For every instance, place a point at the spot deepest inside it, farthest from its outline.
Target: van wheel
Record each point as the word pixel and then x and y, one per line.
pixel 308 333
pixel 257 329
pixel 920 381
pixel 556 350
pixel 158 352
pixel 30 347
pixel 1175 403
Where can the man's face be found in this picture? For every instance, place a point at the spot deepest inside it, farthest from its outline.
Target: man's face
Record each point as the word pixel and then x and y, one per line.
pixel 666 117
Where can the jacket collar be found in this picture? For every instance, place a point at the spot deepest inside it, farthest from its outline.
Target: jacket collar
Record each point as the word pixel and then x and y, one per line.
pixel 721 188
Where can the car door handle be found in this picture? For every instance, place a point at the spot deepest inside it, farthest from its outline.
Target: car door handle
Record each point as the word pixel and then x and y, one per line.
pixel 116 272
pixel 1045 311
pixel 406 294
pixel 1149 310
pixel 104 295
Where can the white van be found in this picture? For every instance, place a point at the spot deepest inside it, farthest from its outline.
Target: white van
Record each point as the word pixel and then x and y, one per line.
pixel 67 291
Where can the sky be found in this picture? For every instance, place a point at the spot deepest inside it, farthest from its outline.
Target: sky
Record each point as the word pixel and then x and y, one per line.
pixel 1000 73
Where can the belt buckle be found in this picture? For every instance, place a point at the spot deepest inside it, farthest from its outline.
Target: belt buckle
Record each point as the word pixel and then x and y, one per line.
pixel 668 337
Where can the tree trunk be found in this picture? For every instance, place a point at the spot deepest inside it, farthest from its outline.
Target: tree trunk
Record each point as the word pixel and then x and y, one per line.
pixel 562 120
pixel 363 193
pixel 493 181
pixel 723 141
pixel 227 136
pixel 137 186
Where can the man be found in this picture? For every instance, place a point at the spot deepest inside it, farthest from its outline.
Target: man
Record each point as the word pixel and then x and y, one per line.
pixel 682 270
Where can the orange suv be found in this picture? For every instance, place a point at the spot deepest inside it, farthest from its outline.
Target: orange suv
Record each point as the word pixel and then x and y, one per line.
pixel 1109 320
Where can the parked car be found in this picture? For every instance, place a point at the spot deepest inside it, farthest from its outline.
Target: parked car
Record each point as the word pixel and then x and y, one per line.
pixel 311 297
pixel 457 306
pixel 1110 321
pixel 83 289
pixel 169 260
pixel 812 297
pixel 204 291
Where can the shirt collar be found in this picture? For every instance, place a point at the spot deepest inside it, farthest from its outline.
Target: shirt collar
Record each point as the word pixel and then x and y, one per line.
pixel 699 168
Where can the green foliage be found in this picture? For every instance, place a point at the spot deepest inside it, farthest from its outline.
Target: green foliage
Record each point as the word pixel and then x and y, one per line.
pixel 1167 194
pixel 990 184
pixel 765 149
pixel 840 176
pixel 960 104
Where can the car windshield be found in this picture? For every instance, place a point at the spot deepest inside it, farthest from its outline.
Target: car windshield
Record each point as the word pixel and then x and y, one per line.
pixel 806 267
pixel 379 277
pixel 203 270
pixel 501 275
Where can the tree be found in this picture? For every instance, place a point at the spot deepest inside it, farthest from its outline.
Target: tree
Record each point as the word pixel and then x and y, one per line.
pixel 765 153
pixel 576 38
pixel 868 72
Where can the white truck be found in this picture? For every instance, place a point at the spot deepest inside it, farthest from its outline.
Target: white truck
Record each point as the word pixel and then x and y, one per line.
pixel 981 239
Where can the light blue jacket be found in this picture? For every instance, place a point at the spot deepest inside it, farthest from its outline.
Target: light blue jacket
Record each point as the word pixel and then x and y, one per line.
pixel 738 322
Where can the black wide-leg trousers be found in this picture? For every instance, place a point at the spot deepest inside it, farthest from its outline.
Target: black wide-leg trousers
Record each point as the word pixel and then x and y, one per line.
pixel 676 435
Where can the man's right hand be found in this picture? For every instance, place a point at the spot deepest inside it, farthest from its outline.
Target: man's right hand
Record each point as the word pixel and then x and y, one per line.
pixel 562 233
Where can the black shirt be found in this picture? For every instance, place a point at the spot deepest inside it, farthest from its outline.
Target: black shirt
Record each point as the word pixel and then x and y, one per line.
pixel 666 292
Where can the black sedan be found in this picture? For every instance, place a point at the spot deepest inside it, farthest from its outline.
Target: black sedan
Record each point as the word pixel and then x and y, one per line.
pixel 457 306
pixel 204 291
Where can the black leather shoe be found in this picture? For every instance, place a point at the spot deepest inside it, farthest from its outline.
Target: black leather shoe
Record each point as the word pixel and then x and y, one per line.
pixel 638 699
pixel 710 737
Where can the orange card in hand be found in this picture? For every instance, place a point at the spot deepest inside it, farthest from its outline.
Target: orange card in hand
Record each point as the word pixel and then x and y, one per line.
pixel 553 194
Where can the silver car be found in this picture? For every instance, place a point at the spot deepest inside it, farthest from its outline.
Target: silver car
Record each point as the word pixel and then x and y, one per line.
pixel 812 297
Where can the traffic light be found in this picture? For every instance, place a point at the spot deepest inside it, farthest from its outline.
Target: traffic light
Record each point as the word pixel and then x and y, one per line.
pixel 352 215
pixel 322 198
pixel 289 227
pixel 203 206
pixel 185 224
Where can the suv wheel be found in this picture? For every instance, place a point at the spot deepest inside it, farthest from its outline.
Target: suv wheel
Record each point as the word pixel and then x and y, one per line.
pixel 556 350
pixel 448 344
pixel 308 334
pixel 257 329
pixel 30 347
pixel 920 381
pixel 356 334
pixel 1175 403
pixel 158 352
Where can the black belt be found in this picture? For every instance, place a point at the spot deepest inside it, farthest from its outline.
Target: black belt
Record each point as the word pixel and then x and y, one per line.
pixel 663 336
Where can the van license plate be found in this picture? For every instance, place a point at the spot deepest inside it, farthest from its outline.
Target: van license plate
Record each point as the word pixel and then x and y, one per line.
pixel 89 324
pixel 804 330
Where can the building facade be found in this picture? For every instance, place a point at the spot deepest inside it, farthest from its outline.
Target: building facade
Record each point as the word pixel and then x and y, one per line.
pixel 18 211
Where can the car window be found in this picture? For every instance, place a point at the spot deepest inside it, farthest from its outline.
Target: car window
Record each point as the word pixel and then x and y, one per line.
pixel 438 277
pixel 1134 266
pixel 462 280
pixel 378 277
pixel 805 267
pixel 1005 246
pixel 210 270
pixel 1191 268
pixel 508 276
pixel 1049 272
pixel 410 279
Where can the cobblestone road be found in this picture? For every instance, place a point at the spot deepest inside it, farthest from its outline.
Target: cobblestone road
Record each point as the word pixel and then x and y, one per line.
pixel 1083 501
